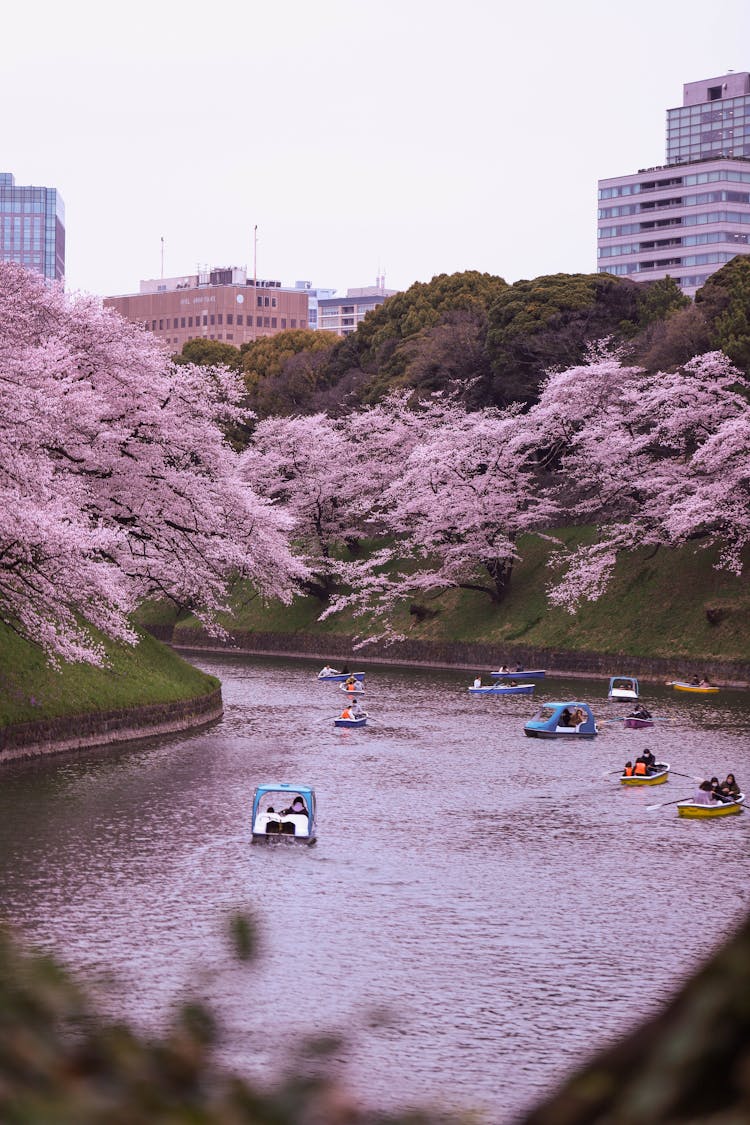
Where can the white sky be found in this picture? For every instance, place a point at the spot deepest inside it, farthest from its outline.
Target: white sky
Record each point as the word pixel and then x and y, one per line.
pixel 401 137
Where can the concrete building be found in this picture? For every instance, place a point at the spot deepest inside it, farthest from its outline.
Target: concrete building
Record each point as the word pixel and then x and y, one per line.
pixel 687 218
pixel 32 227
pixel 217 304
pixel 342 314
pixel 313 296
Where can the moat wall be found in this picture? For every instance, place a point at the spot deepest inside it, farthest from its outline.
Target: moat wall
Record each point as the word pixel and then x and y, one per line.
pixel 475 657
pixel 101 728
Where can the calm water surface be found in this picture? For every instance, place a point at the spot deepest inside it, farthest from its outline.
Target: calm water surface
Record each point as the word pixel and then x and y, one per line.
pixel 474 916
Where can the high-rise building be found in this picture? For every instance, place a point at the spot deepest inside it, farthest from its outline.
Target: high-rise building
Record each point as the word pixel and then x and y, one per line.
pixel 687 218
pixel 217 304
pixel 32 227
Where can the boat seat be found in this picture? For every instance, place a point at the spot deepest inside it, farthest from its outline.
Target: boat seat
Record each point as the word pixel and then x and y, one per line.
pixel 296 824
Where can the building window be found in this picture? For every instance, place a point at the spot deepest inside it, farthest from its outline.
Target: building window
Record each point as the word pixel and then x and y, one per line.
pixel 283 322
pixel 259 322
pixel 205 320
pixel 230 318
pixel 266 322
pixel 239 319
pixel 213 320
pixel 714 93
pixel 190 322
pixel 153 326
pixel 182 322
pixel 260 301
pixel 220 319
pixel 273 321
pixel 161 325
pixel 294 323
pixel 273 302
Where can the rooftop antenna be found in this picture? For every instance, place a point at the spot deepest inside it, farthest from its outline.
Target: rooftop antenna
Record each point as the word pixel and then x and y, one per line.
pixel 255 278
pixel 162 258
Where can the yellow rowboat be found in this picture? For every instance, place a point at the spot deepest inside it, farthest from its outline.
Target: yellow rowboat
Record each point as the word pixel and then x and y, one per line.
pixel 728 808
pixel 703 689
pixel 658 778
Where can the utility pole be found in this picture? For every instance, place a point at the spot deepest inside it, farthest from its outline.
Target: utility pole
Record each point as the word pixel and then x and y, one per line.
pixel 162 257
pixel 255 279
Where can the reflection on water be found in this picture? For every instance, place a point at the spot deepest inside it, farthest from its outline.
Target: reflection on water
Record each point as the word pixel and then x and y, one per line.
pixel 476 914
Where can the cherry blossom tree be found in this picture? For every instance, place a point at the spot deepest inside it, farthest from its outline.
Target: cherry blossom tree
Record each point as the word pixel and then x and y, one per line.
pixel 654 460
pixel 310 467
pixel 461 487
pixel 116 482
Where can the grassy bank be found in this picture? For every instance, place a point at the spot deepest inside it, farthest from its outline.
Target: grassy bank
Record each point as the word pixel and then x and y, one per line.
pixel 147 673
pixel 671 604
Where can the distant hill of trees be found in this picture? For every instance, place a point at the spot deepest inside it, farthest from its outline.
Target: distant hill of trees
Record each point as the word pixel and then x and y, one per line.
pixel 493 340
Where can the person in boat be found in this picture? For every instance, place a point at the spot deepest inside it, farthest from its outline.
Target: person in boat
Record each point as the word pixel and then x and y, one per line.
pixel 519 668
pixel 704 794
pixel 648 757
pixel 566 718
pixel 628 770
pixel 578 717
pixel 730 787
pixel 351 684
pixel 512 683
pixel 695 681
pixel 355 709
pixel 477 681
pixel 297 808
pixel 639 712
pixel 504 668
pixel 347 712
pixel 327 670
pixel 716 790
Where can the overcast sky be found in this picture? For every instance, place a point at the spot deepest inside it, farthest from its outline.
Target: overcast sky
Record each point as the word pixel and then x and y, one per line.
pixel 402 137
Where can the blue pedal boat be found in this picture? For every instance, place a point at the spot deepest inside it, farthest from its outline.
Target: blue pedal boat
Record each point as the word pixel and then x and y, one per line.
pixel 562 720
pixel 623 687
pixel 284 813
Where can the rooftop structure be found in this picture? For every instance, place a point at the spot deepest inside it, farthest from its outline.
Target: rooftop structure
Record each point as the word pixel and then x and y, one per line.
pixel 342 314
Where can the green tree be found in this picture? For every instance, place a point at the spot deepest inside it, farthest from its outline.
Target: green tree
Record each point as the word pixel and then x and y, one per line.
pixel 210 353
pixel 549 322
pixel 283 372
pixel 725 302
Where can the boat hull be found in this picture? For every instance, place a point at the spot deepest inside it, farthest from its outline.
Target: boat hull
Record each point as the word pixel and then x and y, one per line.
pixel 657 778
pixel 700 812
pixel 282 838
pixel 694 688
pixel 350 722
pixel 535 732
pixel 521 689
pixel 341 677
pixel 637 724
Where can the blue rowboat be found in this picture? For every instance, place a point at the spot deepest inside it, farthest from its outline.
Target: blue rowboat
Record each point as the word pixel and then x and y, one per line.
pixel 562 720
pixel 334 677
pixel 283 813
pixel 503 689
pixel 360 721
pixel 535 674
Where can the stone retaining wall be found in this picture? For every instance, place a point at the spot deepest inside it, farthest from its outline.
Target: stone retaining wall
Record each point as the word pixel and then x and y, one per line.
pixel 74 732
pixel 475 657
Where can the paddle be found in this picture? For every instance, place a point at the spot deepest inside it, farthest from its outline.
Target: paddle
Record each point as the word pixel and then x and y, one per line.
pixel 663 804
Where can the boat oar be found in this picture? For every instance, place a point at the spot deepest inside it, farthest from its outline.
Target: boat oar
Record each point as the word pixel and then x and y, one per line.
pixel 689 776
pixel 663 804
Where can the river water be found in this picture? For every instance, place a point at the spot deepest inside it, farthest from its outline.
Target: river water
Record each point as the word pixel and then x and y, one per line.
pixel 480 912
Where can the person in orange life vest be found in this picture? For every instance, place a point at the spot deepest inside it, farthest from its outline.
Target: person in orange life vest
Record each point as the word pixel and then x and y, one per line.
pixel 628 771
pixel 640 769
pixel 347 713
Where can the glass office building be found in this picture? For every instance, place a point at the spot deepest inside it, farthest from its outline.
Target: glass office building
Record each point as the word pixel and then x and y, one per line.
pixel 32 227
pixel 691 216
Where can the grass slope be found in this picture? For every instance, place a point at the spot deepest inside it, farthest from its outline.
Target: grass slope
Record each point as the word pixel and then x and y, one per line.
pixel 149 672
pixel 656 606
